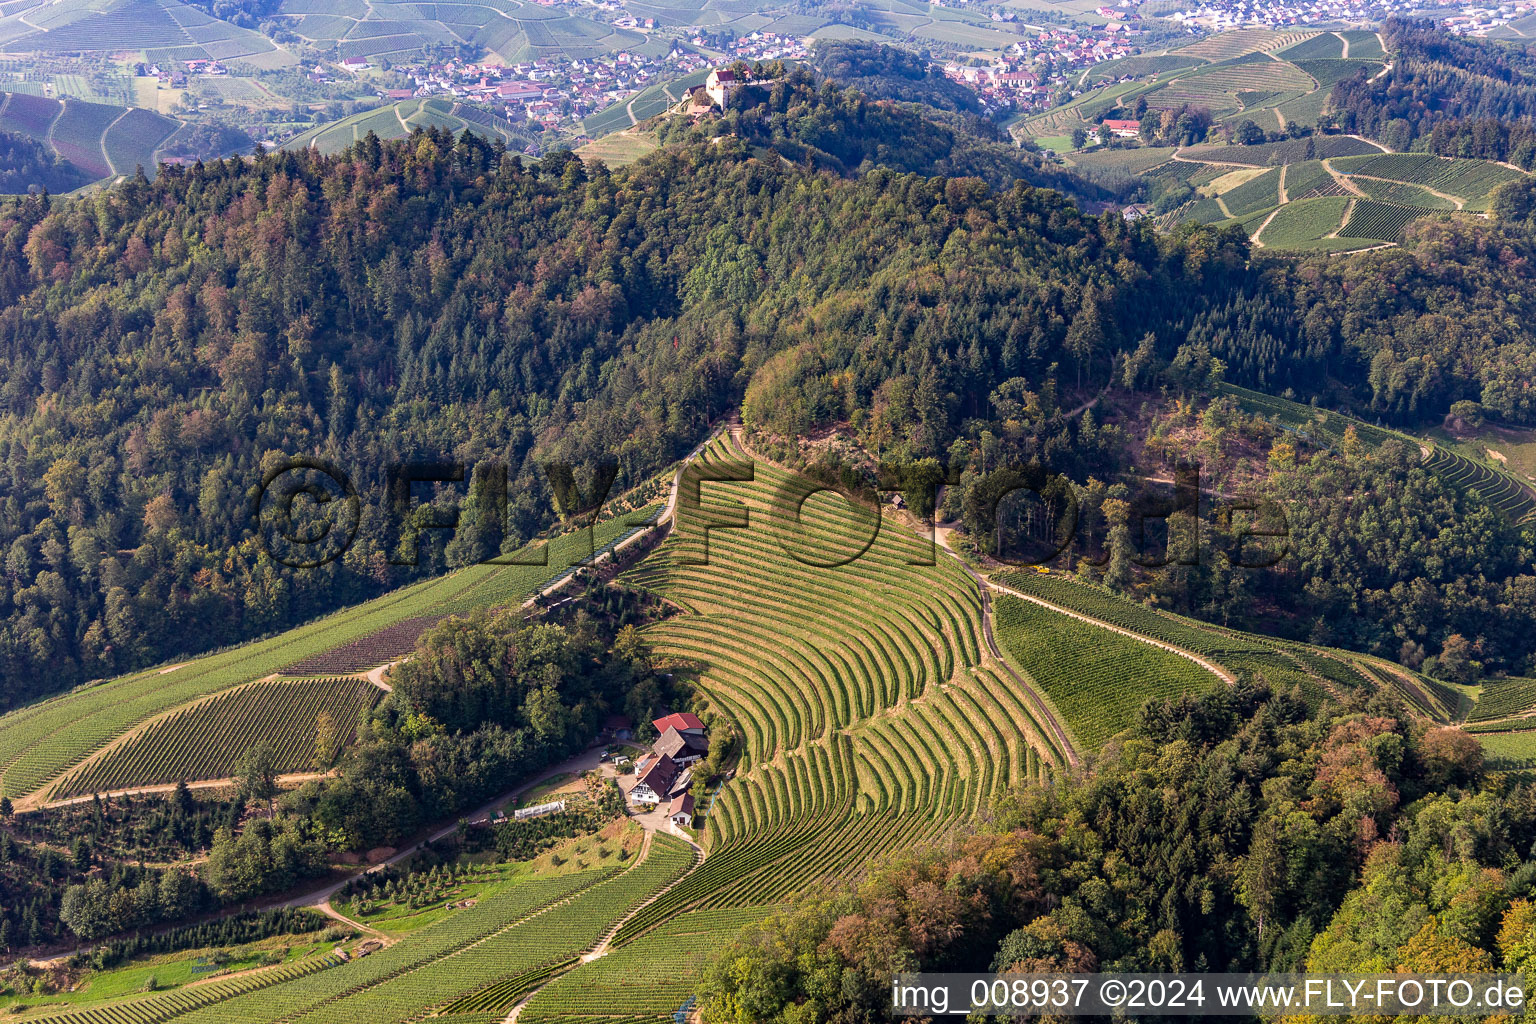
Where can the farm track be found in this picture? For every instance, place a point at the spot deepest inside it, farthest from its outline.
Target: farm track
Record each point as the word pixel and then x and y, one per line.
pixel 1460 203
pixel 293 779
pixel 101 141
pixel 1342 180
pixel 1257 239
pixel 1349 211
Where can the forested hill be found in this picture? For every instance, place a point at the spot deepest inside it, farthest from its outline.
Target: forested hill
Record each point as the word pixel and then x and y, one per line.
pixel 1467 97
pixel 905 123
pixel 162 343
pixel 890 73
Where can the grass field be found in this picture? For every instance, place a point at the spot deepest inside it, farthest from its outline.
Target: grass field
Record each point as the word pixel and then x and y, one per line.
pixel 619 149
pixel 42 741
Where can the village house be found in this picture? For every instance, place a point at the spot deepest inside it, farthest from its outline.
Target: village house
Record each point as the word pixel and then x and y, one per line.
pixel 683 749
pixel 681 811
pixel 655 778
pixel 1123 129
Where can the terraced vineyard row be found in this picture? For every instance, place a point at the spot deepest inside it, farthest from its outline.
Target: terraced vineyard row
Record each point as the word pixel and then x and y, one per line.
pixel 598 988
pixel 1500 490
pixel 1097 679
pixel 1381 221
pixel 155 1009
pixel 207 739
pixel 41 742
pixel 493 915
pixel 517 960
pixel 854 682
pixel 774 864
pixel 1503 698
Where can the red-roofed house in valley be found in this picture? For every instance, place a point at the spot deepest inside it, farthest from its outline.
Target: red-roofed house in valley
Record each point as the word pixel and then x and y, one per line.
pixel 1123 129
pixel 681 812
pixel 682 721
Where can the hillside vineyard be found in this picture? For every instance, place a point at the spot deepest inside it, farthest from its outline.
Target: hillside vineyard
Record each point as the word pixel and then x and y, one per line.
pixel 643 514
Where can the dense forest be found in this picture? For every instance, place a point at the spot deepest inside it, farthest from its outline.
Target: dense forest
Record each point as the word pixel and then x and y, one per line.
pixel 1233 832
pixel 27 165
pixel 164 342
pixel 1445 94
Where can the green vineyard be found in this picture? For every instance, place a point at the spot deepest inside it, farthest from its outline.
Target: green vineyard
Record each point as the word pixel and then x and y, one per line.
pixel 870 709
pixel 44 740
pixel 207 740
pixel 1319 673
pixel 394 969
pixel 1500 490
pixel 1381 221
pixel 1504 698
pixel 837 676
pixel 1465 179
pixel 596 989
pixel 1098 679
pixel 155 1009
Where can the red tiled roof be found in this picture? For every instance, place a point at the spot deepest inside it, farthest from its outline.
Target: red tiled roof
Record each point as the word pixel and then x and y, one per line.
pixel 682 805
pixel 682 721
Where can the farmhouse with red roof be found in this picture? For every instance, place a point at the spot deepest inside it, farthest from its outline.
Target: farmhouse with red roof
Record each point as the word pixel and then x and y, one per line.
pixel 682 721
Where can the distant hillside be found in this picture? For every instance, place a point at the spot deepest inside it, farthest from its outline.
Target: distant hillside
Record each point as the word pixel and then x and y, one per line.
pixel 889 73
pixel 27 164
pixel 1469 97
pixel 397 120
pixel 840 128
pixel 99 139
